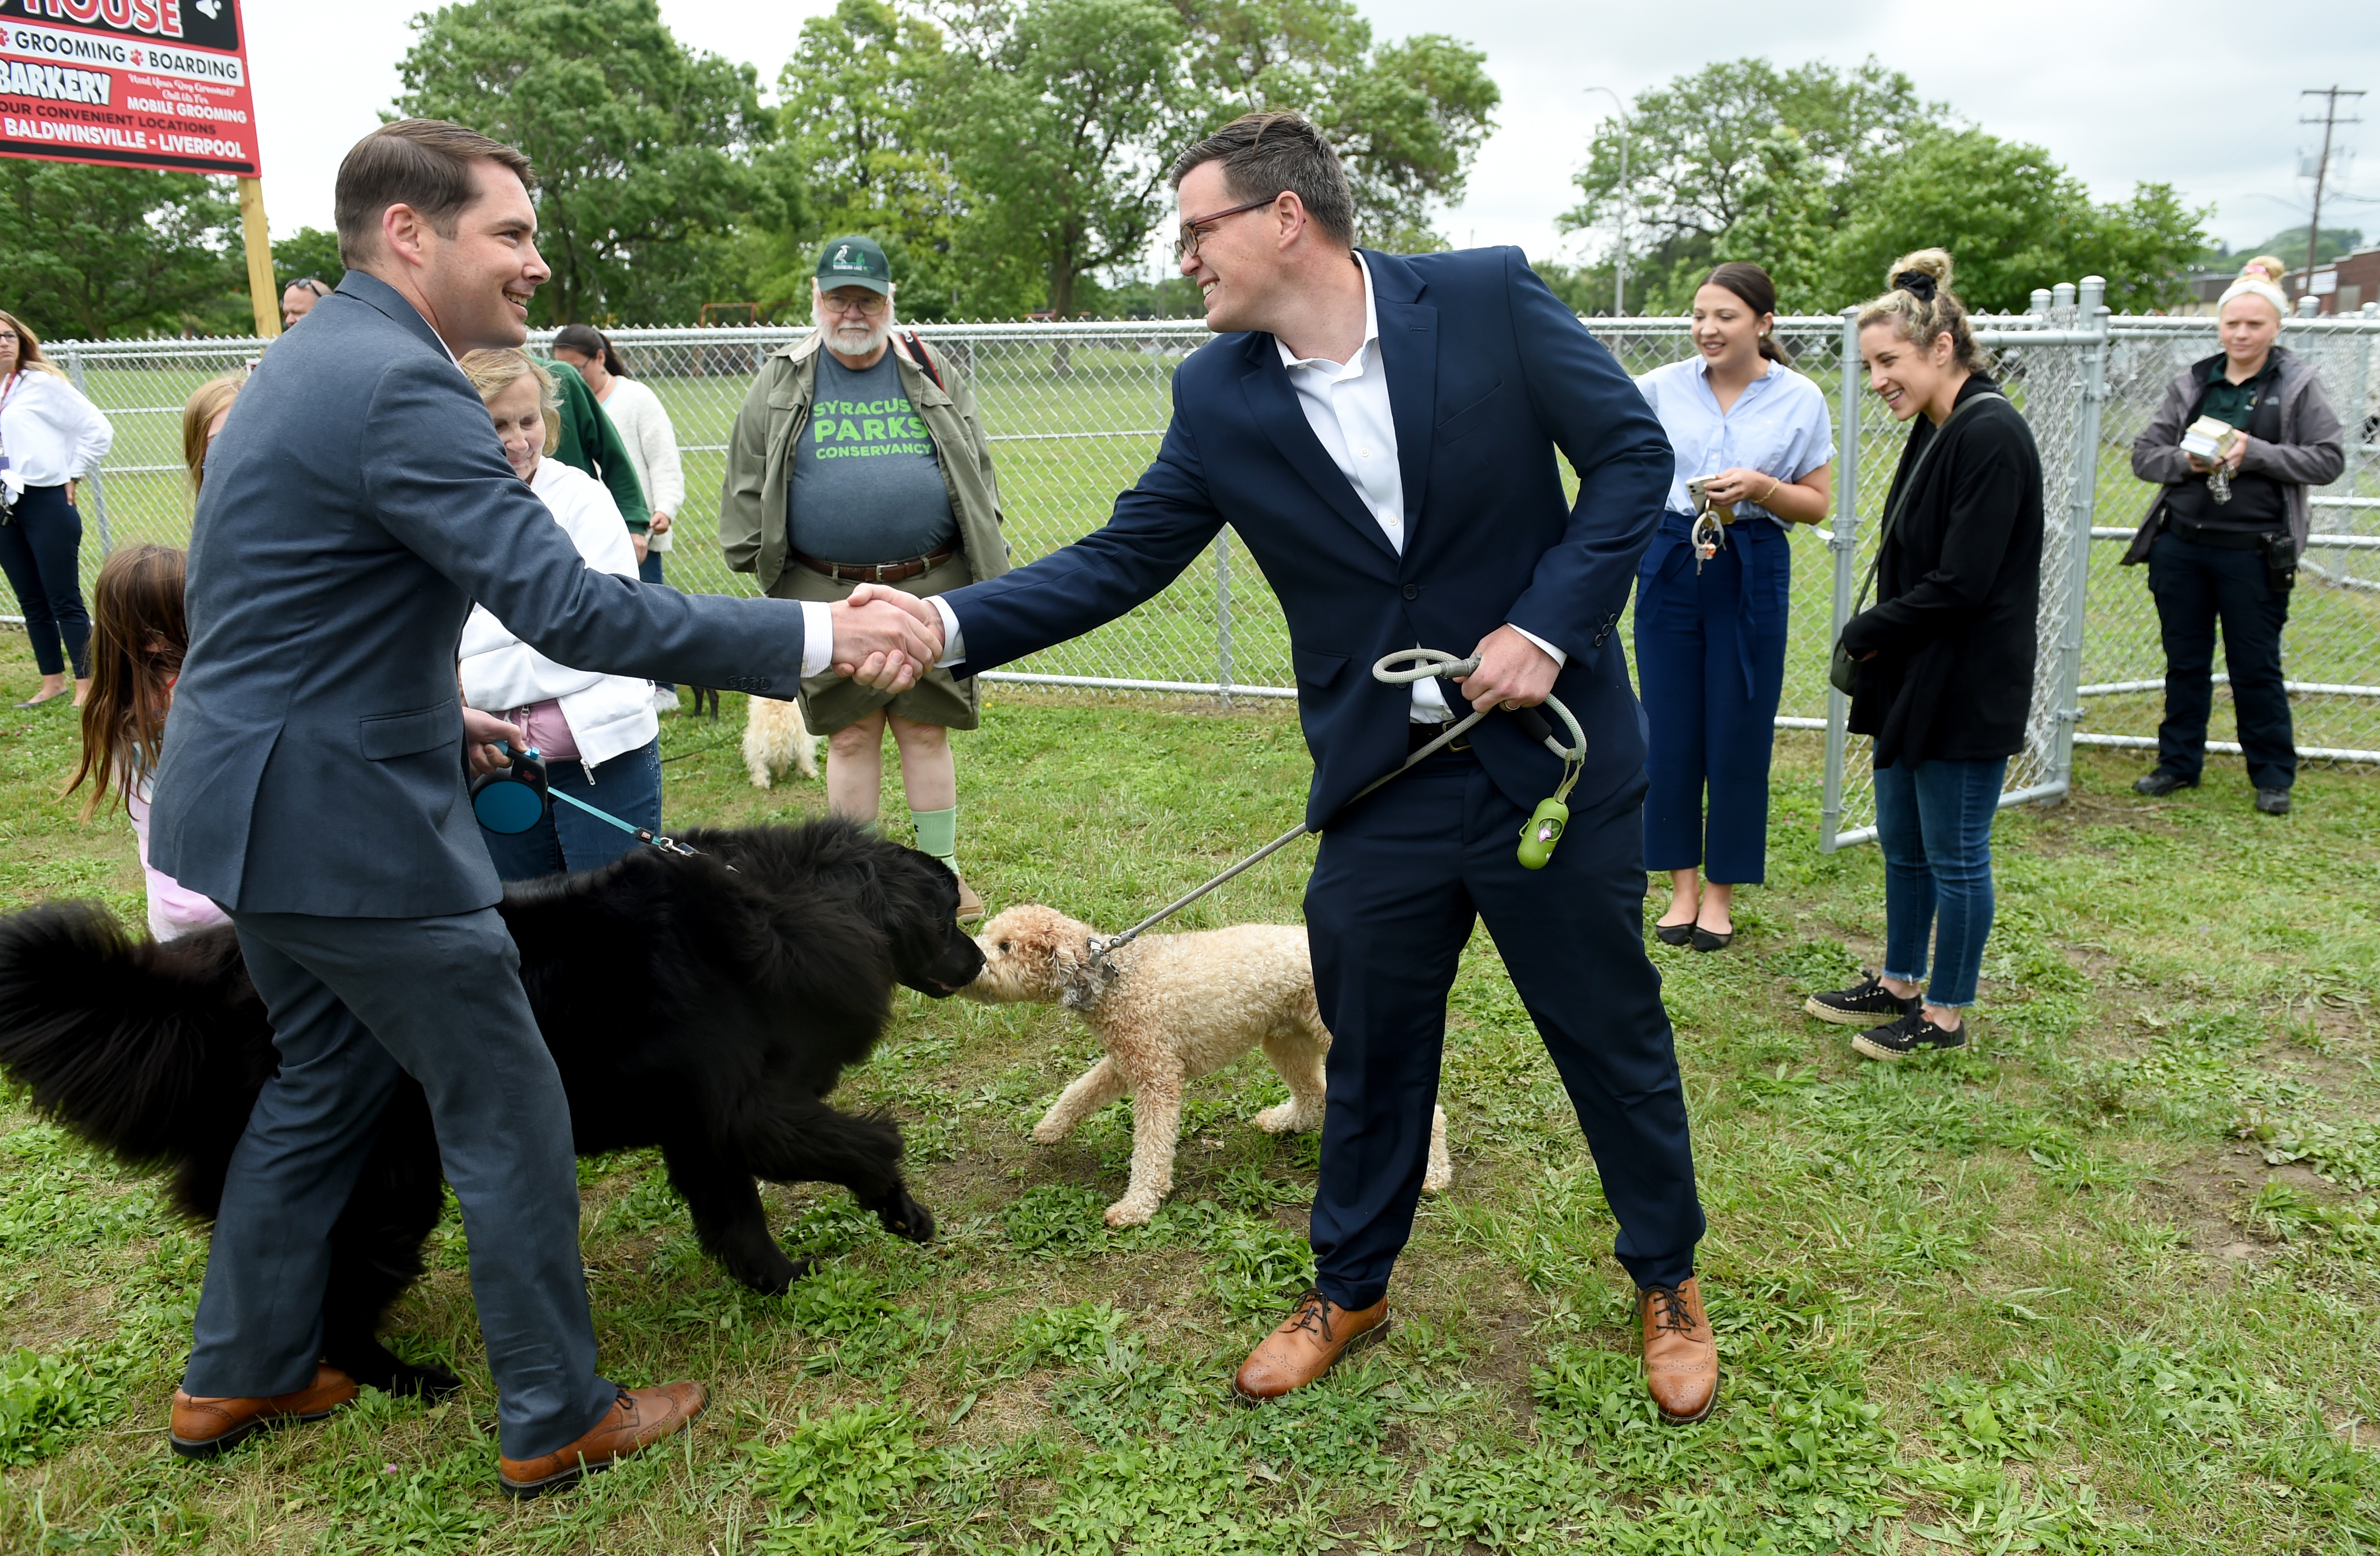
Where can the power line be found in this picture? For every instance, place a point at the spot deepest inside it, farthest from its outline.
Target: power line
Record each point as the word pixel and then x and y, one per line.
pixel 2329 122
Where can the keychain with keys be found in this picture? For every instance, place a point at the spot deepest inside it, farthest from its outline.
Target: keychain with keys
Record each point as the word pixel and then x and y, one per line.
pixel 1710 521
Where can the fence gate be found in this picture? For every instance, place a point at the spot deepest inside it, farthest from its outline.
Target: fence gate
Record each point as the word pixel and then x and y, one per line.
pixel 1075 413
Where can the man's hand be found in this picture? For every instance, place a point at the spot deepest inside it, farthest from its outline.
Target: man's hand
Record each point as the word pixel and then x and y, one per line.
pixel 481 734
pixel 1513 672
pixel 885 639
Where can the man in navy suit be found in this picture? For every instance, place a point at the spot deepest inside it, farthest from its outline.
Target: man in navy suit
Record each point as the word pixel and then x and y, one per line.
pixel 1381 432
pixel 356 503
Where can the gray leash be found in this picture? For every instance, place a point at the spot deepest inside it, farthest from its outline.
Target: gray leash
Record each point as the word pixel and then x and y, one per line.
pixel 1401 669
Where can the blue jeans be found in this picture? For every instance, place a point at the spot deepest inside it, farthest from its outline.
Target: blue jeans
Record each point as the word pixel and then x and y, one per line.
pixel 629 786
pixel 1934 822
pixel 39 550
pixel 649 571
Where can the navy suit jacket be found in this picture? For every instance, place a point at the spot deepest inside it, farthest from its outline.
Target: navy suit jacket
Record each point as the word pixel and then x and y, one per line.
pixel 356 503
pixel 1489 376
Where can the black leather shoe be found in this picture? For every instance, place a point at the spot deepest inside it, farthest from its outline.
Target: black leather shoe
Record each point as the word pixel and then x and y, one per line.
pixel 2159 784
pixel 1710 940
pixel 1674 933
pixel 2272 802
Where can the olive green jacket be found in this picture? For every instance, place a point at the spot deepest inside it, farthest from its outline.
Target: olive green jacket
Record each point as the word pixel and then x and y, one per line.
pixel 752 531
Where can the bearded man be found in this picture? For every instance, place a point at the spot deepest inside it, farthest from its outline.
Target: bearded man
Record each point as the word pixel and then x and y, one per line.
pixel 858 458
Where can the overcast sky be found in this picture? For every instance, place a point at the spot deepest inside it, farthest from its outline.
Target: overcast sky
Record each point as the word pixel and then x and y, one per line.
pixel 2184 91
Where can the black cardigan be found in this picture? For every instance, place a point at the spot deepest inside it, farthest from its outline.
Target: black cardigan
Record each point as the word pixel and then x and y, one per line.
pixel 1958 594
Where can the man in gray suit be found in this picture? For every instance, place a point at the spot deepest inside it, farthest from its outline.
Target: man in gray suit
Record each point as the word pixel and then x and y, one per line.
pixel 356 504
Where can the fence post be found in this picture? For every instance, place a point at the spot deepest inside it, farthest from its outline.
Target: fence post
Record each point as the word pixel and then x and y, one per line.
pixel 1223 616
pixel 2082 507
pixel 98 497
pixel 1845 545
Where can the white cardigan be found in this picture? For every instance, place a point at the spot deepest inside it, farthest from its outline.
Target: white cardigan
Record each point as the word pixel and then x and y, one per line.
pixel 645 428
pixel 50 434
pixel 607 713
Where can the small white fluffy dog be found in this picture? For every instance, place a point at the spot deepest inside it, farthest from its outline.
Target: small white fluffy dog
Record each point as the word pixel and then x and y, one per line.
pixel 1169 1008
pixel 774 737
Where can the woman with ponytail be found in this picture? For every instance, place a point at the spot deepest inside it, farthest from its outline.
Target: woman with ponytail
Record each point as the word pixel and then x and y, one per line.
pixel 1757 438
pixel 1944 657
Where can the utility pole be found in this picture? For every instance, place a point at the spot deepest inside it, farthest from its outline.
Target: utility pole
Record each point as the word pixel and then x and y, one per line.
pixel 2329 121
pixel 1619 212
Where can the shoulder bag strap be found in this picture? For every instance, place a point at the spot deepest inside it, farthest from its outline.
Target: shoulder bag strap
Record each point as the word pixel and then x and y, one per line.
pixel 916 345
pixel 1884 535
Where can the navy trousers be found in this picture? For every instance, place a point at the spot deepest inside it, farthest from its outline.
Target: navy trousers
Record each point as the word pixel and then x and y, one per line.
pixel 41 547
pixel 628 786
pixel 2195 586
pixel 649 571
pixel 1710 659
pixel 1401 879
pixel 353 1002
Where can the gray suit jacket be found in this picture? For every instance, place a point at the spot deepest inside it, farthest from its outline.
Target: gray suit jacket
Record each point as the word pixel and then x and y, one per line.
pixel 356 503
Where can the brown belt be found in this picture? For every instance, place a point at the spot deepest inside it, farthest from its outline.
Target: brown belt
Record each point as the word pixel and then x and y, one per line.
pixel 878 571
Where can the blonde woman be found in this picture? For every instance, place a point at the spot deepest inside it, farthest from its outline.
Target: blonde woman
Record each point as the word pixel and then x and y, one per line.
pixel 2222 544
pixel 50 438
pixel 598 733
pixel 1946 656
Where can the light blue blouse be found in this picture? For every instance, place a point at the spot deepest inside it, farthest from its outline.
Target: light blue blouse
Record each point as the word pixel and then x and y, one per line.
pixel 1780 426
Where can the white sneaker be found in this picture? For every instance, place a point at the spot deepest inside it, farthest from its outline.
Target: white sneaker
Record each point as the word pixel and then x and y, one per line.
pixel 665 701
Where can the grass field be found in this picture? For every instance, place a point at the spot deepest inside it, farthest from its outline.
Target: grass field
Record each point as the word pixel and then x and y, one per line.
pixel 2105 1283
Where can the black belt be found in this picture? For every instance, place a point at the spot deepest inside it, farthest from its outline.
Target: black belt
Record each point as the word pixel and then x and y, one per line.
pixel 1420 735
pixel 2225 539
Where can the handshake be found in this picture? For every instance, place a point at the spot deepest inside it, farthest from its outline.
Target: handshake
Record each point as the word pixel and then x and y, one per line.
pixel 885 639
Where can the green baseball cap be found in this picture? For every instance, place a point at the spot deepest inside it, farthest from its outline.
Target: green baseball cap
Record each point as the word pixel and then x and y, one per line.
pixel 855 261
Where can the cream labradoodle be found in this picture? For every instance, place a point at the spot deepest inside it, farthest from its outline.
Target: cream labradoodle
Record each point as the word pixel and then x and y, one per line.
pixel 1169 1008
pixel 774 736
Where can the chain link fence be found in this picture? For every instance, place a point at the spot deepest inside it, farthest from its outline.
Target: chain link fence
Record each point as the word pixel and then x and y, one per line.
pixel 1075 412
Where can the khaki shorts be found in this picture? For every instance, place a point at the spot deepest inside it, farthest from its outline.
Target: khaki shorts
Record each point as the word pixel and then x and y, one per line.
pixel 832 701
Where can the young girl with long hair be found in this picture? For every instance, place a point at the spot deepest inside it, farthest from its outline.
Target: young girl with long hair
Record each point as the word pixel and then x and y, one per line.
pixel 138 637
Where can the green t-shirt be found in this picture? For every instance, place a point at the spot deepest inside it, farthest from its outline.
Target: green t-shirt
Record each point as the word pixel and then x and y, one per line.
pixel 866 485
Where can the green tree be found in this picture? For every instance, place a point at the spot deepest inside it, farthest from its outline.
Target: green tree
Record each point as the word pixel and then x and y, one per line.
pixel 1067 123
pixel 1789 152
pixel 2013 220
pixel 642 147
pixel 2289 245
pixel 868 101
pixel 308 251
pixel 1407 120
pixel 94 252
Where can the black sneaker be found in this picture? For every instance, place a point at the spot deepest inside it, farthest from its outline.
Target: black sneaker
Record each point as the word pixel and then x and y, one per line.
pixel 2272 802
pixel 2162 782
pixel 1911 1035
pixel 1861 1005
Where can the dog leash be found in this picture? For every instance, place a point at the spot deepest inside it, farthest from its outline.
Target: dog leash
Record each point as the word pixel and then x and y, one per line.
pixel 1538 835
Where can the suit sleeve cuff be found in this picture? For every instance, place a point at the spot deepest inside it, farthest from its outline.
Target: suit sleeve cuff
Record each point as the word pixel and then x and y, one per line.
pixel 1561 659
pixel 817 638
pixel 953 642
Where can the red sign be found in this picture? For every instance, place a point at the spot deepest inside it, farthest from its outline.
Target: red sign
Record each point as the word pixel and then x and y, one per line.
pixel 137 84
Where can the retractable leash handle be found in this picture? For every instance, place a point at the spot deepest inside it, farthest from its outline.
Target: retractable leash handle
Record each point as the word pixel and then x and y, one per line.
pixel 516 799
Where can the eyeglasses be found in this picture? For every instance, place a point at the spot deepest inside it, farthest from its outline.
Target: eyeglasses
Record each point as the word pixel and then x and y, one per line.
pixel 1192 235
pixel 869 304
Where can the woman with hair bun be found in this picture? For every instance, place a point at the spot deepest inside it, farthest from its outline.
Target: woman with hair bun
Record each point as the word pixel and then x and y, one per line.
pixel 1944 659
pixel 1710 629
pixel 2223 535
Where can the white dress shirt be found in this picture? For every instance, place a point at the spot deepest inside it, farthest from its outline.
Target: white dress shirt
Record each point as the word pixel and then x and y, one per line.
pixel 1347 405
pixel 49 432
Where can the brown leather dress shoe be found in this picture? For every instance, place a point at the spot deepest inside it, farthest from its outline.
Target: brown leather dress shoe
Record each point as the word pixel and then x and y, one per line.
pixel 638 1418
pixel 205 1425
pixel 1681 1352
pixel 1308 1343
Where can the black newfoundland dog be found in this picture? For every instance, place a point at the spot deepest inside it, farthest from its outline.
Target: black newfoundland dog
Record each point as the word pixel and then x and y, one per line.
pixel 703 1005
